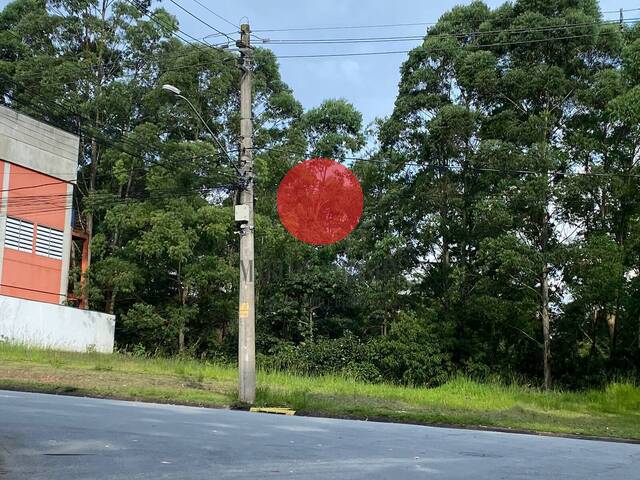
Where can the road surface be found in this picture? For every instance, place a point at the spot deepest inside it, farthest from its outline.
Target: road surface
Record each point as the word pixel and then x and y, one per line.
pixel 54 437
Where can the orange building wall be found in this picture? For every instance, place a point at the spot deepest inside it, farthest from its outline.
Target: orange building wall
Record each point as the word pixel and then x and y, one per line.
pixel 42 200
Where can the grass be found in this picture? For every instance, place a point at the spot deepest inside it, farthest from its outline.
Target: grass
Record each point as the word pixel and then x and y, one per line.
pixel 611 412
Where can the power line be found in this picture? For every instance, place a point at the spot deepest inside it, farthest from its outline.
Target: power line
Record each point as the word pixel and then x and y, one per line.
pixel 168 28
pixel 59 182
pixel 53 203
pixel 93 195
pixel 96 134
pixel 392 52
pixel 622 10
pixel 428 36
pixel 134 169
pixel 434 50
pixel 57 294
pixel 431 50
pixel 200 20
pixel 451 167
pixel 159 55
pixel 381 40
pixel 346 27
pixel 384 25
pixel 217 15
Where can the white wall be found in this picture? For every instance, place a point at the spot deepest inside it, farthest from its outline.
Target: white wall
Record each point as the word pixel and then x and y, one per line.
pixel 40 324
pixel 38 146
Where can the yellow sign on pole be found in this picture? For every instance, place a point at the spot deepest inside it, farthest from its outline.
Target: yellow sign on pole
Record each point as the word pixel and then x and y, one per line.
pixel 244 310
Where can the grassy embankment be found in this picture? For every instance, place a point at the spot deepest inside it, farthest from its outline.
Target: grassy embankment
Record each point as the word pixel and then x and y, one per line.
pixel 612 412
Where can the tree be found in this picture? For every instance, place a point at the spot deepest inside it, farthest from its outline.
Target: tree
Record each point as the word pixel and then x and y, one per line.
pixel 479 137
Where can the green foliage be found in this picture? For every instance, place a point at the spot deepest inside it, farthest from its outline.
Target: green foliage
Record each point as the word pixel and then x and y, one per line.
pixel 416 351
pixel 346 355
pixel 146 329
pixel 503 190
pixel 333 129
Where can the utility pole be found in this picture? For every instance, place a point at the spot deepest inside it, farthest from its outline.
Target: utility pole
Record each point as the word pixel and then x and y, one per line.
pixel 245 216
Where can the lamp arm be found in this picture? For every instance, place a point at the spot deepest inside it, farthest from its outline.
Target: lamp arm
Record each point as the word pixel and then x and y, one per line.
pixel 215 139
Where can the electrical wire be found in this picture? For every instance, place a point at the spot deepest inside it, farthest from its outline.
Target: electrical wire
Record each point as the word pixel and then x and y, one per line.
pixel 108 142
pixel 345 27
pixel 451 167
pixel 435 50
pixel 167 28
pixel 393 52
pixel 57 294
pixel 154 18
pixel 62 182
pixel 386 25
pixel 51 204
pixel 383 40
pixel 622 10
pixel 217 15
pixel 428 36
pixel 200 20
pixel 29 187
pixel 219 33
pixel 431 50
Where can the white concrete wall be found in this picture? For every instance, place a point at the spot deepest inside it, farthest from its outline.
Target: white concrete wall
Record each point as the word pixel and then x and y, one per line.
pixel 47 325
pixel 38 146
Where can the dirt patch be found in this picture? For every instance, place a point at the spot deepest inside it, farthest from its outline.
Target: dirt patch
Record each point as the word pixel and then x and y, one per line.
pixel 121 385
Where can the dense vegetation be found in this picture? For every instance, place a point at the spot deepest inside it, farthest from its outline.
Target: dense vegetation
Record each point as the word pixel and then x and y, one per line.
pixel 501 228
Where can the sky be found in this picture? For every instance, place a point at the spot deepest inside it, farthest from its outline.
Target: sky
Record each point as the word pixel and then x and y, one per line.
pixel 369 82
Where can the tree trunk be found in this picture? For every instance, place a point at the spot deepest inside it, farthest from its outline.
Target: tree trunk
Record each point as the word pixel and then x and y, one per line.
pixel 544 274
pixel 445 262
pixel 182 291
pixel 95 154
pixel 181 339
pixel 594 331
pixel 638 332
pixel 612 323
pixel 546 325
pixel 111 304
pixel 89 217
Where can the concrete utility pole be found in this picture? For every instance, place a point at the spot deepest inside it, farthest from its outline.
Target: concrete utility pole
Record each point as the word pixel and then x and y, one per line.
pixel 244 215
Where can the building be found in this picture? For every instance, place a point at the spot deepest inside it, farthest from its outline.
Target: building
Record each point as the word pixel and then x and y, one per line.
pixel 38 165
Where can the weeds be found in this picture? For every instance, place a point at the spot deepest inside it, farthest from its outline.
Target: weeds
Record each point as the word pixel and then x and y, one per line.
pixel 611 411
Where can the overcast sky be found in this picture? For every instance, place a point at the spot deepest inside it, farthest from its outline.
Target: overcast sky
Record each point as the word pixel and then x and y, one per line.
pixel 370 83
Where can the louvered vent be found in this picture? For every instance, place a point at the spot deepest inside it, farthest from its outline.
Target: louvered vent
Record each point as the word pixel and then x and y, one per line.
pixel 19 235
pixel 49 242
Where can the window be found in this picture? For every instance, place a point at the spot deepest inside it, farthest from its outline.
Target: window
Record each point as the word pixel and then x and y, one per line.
pixel 49 242
pixel 19 235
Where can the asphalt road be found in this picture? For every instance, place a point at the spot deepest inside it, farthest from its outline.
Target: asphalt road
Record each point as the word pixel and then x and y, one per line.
pixel 53 437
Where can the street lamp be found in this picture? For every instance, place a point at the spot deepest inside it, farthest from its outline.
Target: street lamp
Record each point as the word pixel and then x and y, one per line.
pixel 176 91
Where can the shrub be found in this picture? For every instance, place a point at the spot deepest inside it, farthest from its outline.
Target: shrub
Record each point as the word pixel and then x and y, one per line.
pixel 143 327
pixel 415 352
pixel 346 355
